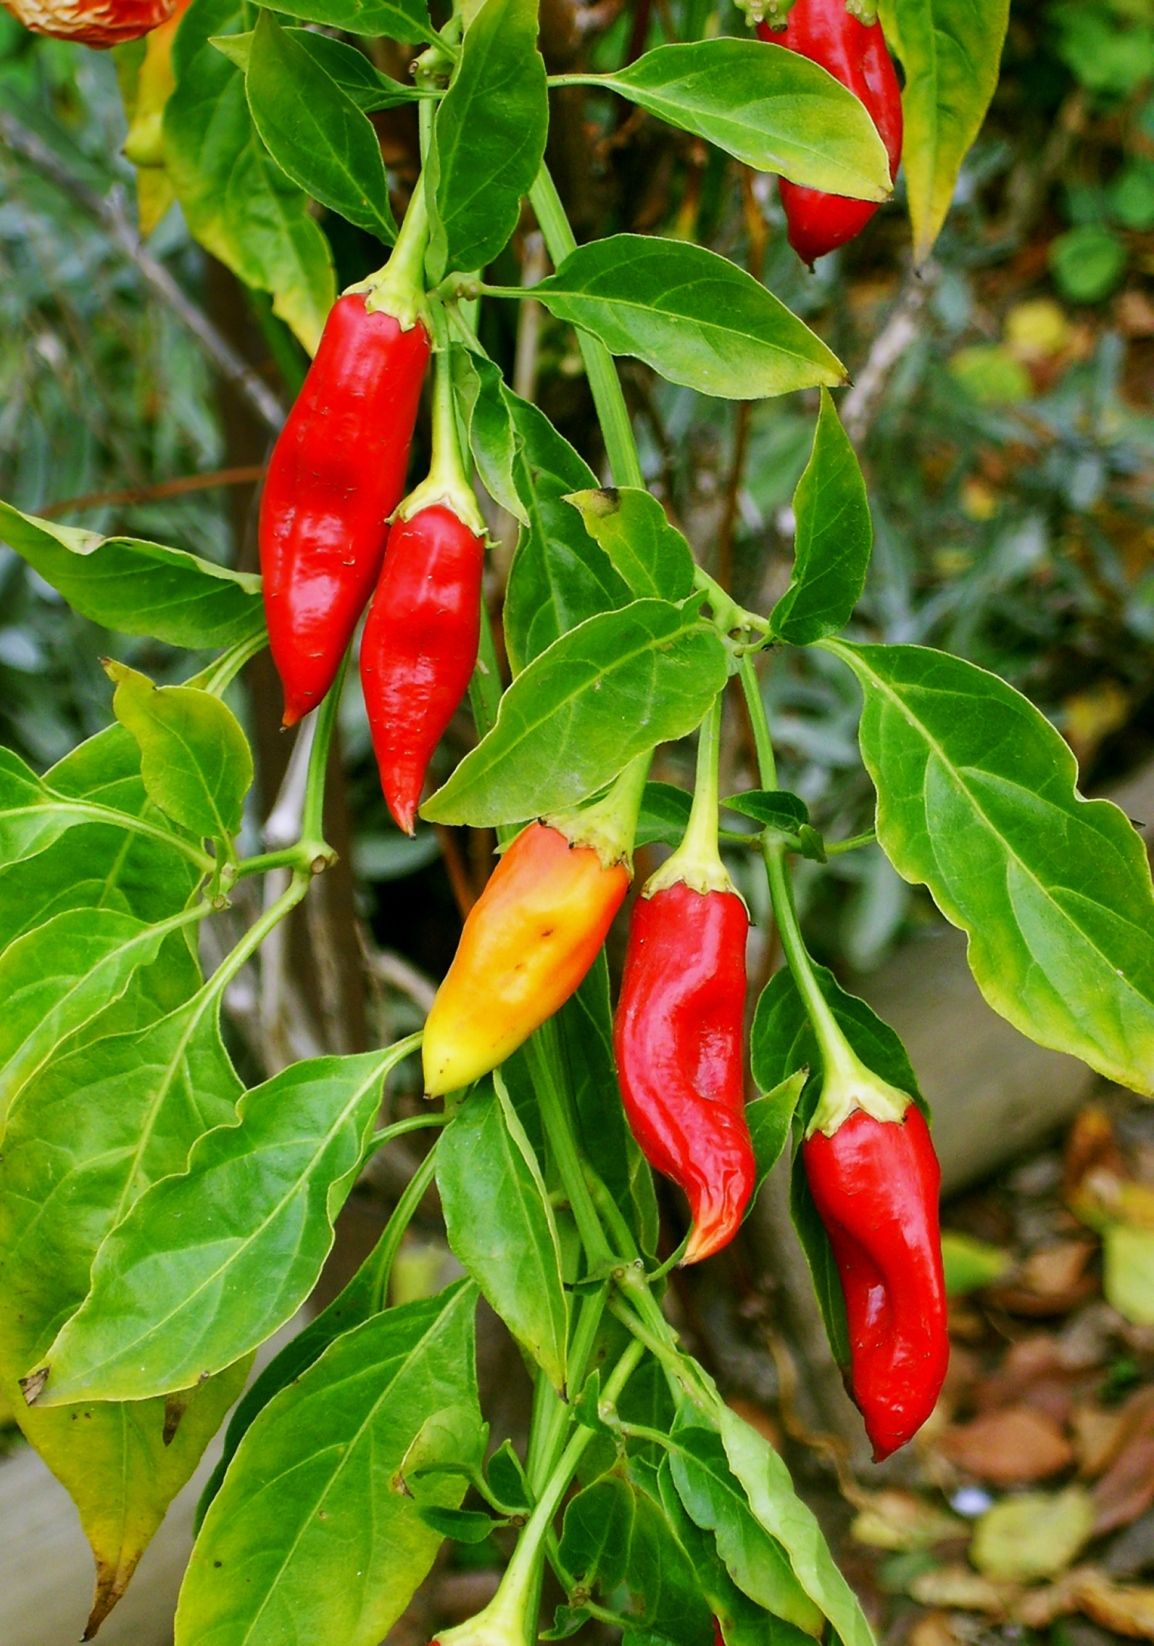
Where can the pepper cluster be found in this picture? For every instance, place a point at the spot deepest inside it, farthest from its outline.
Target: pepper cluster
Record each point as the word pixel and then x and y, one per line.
pixel 329 511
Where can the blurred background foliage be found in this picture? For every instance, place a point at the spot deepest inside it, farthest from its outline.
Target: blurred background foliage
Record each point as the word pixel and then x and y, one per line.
pixel 1001 409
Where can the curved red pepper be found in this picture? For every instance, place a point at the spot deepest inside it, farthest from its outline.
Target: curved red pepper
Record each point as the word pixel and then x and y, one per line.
pixel 854 53
pixel 875 1185
pixel 678 1038
pixel 336 475
pixel 419 647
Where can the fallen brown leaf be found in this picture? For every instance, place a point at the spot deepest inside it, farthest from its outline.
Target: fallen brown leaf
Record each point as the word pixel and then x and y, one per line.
pixel 960 1589
pixel 1127 1489
pixel 1125 1608
pixel 1014 1445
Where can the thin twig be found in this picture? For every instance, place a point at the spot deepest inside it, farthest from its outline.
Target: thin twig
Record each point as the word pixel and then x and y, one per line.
pixel 860 406
pixel 111 214
pixel 246 475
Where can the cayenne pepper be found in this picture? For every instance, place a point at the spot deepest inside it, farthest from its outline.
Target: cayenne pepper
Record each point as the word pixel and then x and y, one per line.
pixel 678 1030
pixel 874 1178
pixel 854 53
pixel 420 642
pixel 337 470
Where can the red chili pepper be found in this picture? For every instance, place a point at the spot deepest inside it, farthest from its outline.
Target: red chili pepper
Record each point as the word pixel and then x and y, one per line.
pixel 678 1038
pixel 875 1185
pixel 97 23
pixel 336 474
pixel 854 53
pixel 420 646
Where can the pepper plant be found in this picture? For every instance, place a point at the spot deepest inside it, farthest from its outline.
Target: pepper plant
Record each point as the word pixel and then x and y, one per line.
pixel 159 1220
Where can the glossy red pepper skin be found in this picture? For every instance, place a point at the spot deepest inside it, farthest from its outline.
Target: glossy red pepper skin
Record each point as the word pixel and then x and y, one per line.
pixel 419 647
pixel 527 944
pixel 854 53
pixel 875 1184
pixel 336 474
pixel 678 1035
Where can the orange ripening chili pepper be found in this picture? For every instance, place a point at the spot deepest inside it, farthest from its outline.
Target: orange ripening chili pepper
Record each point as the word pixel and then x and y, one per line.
pixel 527 944
pixel 875 1184
pixel 336 474
pixel 854 53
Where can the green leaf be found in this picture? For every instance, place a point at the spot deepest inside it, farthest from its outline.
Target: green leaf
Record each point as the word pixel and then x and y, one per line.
pixel 780 1512
pixel 950 51
pixel 92 864
pixel 1087 263
pixel 85 1136
pixel 766 106
pixel 608 690
pixel 585 1034
pixel 650 555
pixel 742 1621
pixel 136 587
pixel 122 1465
pixel 615 1534
pixel 833 539
pixel 315 131
pixel 754 1558
pixel 403 20
pixel 559 577
pixel 664 815
pixel 693 316
pixel 195 759
pixel 313 1531
pixel 500 1224
pixel 349 68
pixel 57 978
pixel 775 808
pixel 237 201
pixel 770 1118
pixel 488 138
pixel 493 436
pixel 976 799
pixel 210 1263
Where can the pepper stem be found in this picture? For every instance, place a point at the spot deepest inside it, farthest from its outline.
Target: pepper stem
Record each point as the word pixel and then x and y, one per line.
pixel 697 861
pixel 847 1084
pixel 610 824
pixel 399 287
pixel 447 482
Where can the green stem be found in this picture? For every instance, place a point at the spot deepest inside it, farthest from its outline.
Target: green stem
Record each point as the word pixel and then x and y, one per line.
pixel 403 1212
pixel 312 836
pixel 697 860
pixel 508 1609
pixel 255 936
pixel 401 1128
pixel 840 1063
pixel 834 848
pixel 92 812
pixel 220 674
pixel 399 287
pixel 446 482
pixel 543 1055
pixel 609 826
pixel 604 384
